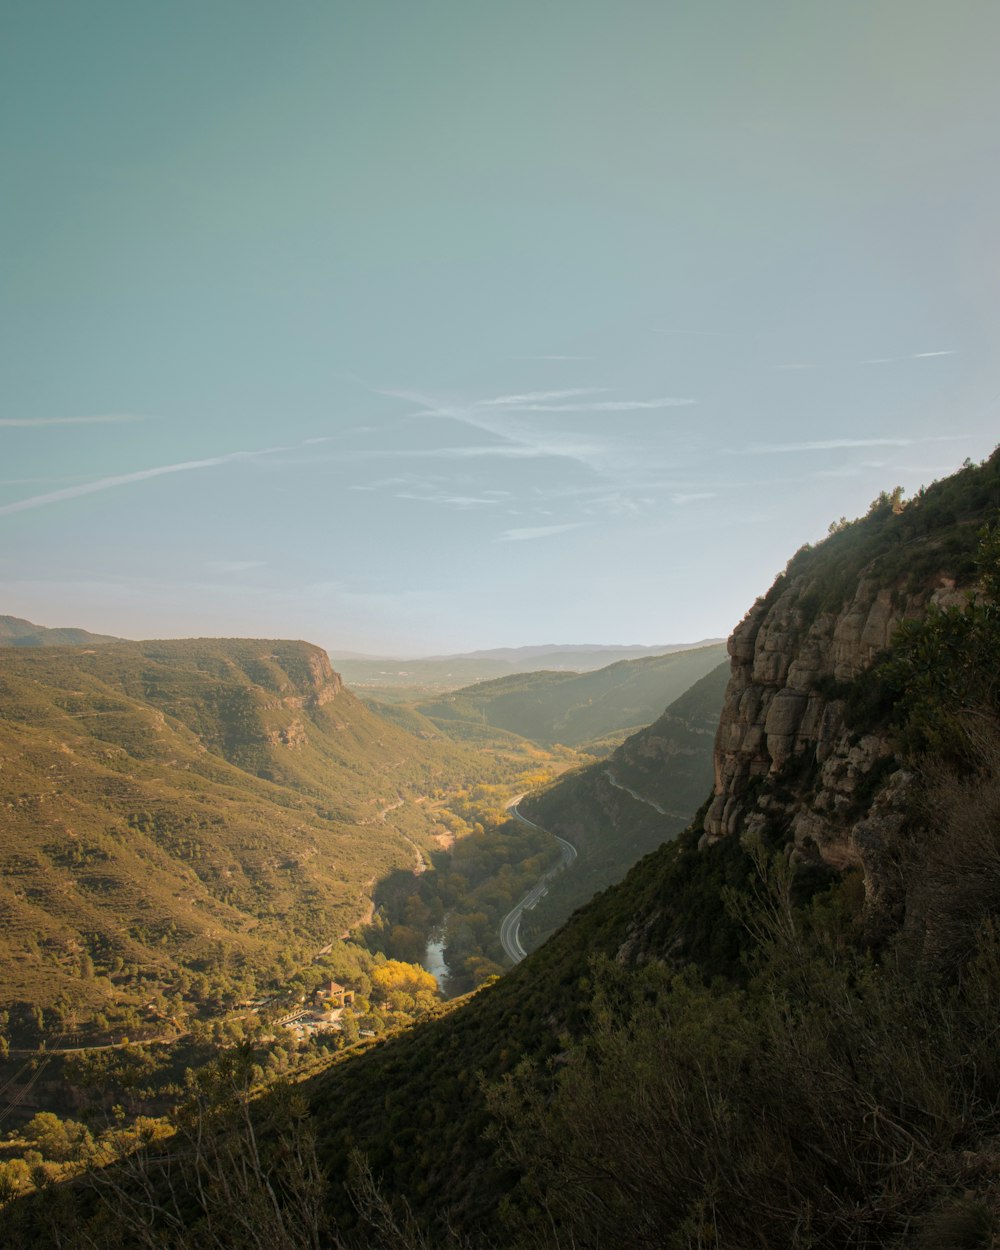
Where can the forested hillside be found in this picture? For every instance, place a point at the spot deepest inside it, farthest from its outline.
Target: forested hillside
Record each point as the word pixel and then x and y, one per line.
pixel 189 817
pixel 428 676
pixel 575 709
pixel 17 632
pixel 616 811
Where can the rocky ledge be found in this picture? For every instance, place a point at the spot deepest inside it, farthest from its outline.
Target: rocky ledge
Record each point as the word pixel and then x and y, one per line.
pixel 784 714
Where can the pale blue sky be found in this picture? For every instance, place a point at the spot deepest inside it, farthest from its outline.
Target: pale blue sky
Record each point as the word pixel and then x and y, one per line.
pixel 416 326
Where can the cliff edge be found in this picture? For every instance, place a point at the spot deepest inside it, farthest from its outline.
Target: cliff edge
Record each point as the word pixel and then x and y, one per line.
pixel 791 761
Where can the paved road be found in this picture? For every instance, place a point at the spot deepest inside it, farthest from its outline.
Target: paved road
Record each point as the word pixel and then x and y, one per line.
pixel 642 798
pixel 510 926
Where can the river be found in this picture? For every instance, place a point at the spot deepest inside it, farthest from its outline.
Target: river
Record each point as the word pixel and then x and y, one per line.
pixel 433 960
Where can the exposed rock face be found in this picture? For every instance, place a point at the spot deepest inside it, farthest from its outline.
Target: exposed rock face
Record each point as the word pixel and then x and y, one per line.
pixel 292 735
pixel 779 714
pixel 326 683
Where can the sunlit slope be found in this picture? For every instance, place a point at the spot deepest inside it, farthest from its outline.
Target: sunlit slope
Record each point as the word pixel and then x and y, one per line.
pixel 575 708
pixel 180 804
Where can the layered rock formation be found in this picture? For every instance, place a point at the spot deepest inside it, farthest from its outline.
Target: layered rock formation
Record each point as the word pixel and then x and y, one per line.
pixel 783 721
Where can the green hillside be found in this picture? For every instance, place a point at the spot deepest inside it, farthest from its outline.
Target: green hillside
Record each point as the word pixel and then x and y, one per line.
pixel 574 708
pixel 620 809
pixel 395 679
pixel 190 816
pixel 16 632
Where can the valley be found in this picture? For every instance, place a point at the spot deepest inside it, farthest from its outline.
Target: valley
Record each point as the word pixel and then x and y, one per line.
pixel 623 975
pixel 186 821
pixel 511 924
pixel 499 625
pixel 202 833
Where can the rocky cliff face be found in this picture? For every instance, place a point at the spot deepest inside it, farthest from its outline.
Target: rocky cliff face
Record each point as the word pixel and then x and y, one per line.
pixel 787 763
pixel 784 717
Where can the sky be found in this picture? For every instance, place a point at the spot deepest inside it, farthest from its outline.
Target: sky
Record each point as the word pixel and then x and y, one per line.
pixel 419 326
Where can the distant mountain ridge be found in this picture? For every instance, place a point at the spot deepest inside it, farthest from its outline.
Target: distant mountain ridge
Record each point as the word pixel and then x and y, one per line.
pixel 554 651
pixel 393 678
pixel 574 708
pixel 17 632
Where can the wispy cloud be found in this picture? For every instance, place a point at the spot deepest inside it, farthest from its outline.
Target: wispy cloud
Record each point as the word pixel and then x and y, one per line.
pixel 606 453
pixel 531 397
pixel 891 360
pixel 456 501
pixel 704 334
pixel 99 419
pixel 694 496
pixel 518 451
pixel 123 479
pixel 871 360
pixel 484 451
pixel 37 481
pixel 536 531
pixel 550 357
pixel 837 444
pixel 851 470
pixel 233 566
pixel 825 444
pixel 609 405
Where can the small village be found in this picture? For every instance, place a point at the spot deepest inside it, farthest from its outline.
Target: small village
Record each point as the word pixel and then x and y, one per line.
pixel 322 1014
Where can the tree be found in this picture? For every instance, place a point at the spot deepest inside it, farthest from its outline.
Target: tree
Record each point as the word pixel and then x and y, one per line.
pixel 58 1140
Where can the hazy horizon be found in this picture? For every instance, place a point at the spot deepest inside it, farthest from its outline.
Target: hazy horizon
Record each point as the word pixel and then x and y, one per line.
pixel 417 330
pixel 346 653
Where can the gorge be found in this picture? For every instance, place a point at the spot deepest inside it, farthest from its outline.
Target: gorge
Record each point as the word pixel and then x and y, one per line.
pixel 780 1014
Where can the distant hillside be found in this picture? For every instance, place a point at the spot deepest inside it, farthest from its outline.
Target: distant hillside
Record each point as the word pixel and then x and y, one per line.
pixel 182 813
pixel 616 811
pixel 581 656
pixel 574 708
pixel 15 632
pixel 431 674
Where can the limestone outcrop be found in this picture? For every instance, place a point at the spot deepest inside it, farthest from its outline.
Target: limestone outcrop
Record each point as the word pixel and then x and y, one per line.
pixel 784 713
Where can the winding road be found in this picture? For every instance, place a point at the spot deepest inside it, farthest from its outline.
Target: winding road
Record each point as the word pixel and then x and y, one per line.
pixel 642 798
pixel 510 926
